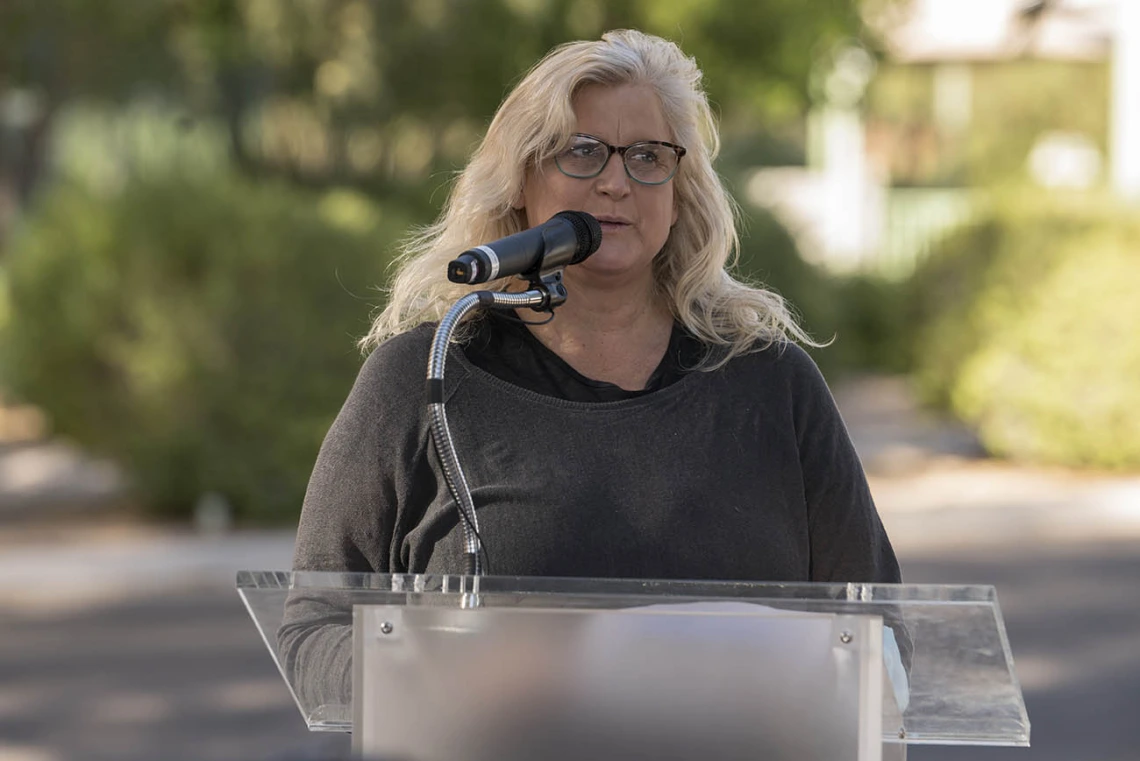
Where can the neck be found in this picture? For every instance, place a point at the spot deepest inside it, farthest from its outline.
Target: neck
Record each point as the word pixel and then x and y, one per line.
pixel 617 335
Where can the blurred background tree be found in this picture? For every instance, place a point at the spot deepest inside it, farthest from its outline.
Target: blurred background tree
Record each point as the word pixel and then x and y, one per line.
pixel 1011 105
pixel 1026 329
pixel 385 95
pixel 199 200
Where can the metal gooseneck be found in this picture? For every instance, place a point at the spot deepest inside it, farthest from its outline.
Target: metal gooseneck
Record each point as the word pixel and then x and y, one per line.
pixel 546 292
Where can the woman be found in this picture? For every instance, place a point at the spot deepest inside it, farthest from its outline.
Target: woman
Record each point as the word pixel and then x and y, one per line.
pixel 662 425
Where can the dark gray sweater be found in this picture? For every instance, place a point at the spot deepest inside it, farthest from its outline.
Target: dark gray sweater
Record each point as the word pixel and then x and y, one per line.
pixel 744 473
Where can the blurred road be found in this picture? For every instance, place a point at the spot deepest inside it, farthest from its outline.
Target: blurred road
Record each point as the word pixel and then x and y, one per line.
pixel 1072 611
pixel 91 668
pixel 165 671
pixel 125 642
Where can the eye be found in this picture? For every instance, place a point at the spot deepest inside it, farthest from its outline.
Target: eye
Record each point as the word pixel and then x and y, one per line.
pixel 647 155
pixel 583 149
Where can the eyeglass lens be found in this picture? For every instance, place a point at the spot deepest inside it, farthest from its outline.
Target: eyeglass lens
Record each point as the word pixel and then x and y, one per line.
pixel 648 163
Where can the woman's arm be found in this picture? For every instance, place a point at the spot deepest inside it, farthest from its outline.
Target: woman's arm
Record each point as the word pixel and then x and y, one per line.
pixel 847 539
pixel 348 519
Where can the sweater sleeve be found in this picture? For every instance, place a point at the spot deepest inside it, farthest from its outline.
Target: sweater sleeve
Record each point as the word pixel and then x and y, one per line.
pixel 349 516
pixel 366 465
pixel 847 540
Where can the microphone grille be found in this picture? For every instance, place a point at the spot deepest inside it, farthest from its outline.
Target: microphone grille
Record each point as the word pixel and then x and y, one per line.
pixel 587 231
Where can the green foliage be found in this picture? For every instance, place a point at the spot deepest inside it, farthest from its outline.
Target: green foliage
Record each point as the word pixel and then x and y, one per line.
pixel 1029 331
pixel 859 315
pixel 389 96
pixel 199 332
pixel 1008 106
pixel 66 48
pixel 769 258
pixel 873 332
pixel 1015 103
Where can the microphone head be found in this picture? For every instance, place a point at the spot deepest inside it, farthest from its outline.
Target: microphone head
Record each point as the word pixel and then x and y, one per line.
pixel 586 229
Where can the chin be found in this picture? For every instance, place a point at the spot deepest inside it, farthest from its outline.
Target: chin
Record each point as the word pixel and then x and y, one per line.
pixel 608 265
pixel 598 272
pixel 612 259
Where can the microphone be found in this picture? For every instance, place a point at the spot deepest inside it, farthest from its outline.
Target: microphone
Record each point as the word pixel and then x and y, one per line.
pixel 566 238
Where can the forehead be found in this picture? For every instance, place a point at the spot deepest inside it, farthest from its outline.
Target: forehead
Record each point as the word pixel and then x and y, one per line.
pixel 620 113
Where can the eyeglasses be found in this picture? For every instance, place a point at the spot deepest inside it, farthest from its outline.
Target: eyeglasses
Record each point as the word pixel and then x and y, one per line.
pixel 650 162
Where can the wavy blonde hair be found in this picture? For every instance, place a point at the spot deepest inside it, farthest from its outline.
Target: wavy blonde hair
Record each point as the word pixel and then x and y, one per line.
pixel 531 125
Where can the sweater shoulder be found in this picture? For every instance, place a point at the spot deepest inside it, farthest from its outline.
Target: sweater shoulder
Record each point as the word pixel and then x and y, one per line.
pixel 400 361
pixel 392 376
pixel 784 370
pixel 785 359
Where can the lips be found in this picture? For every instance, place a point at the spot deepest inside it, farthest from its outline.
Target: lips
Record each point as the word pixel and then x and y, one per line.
pixel 612 222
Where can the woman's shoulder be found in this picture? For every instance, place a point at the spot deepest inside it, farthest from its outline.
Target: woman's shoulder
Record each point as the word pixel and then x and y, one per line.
pixel 782 367
pixel 783 356
pixel 398 364
pixel 402 348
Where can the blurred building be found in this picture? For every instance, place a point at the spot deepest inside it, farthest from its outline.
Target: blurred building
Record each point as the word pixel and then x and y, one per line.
pixel 972 94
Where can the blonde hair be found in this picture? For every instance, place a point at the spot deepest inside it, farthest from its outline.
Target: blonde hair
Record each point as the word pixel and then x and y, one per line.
pixel 531 125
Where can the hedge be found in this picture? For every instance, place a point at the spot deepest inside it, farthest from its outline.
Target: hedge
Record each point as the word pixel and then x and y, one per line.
pixel 1030 331
pixel 201 333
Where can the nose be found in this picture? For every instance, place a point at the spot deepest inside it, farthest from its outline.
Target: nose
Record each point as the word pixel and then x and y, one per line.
pixel 613 181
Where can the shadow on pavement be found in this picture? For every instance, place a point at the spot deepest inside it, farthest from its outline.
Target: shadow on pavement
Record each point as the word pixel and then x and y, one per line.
pixel 184 675
pixel 179 675
pixel 1073 617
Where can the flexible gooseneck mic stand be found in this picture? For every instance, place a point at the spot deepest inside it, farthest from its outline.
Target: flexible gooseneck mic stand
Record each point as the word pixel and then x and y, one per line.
pixel 546 291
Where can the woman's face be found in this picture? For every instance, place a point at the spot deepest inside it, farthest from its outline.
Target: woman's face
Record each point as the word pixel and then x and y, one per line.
pixel 635 218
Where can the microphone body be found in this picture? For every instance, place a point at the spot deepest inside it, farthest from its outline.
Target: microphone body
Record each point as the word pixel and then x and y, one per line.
pixel 566 238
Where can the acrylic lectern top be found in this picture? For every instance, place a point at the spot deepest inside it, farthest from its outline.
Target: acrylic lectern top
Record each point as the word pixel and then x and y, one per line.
pixel 953 680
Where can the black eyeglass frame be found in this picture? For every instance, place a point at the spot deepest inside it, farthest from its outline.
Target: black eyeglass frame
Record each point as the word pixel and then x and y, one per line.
pixel 620 150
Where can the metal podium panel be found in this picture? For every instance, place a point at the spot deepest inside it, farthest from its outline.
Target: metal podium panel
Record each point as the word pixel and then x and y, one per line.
pixel 711 681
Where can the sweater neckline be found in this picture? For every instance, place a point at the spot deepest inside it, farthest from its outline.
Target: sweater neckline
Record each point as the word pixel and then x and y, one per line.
pixel 680 386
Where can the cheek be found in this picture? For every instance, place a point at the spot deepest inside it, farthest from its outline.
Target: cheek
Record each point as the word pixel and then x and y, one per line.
pixel 664 215
pixel 545 195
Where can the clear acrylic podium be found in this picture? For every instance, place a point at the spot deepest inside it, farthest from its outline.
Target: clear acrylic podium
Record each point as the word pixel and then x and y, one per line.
pixel 461 668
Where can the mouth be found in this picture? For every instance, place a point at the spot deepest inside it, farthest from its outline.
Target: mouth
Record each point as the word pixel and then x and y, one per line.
pixel 613 223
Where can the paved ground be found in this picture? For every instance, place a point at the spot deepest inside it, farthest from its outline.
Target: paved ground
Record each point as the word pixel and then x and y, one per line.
pixel 1072 612
pixel 126 642
pixel 177 673
pixel 174 669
